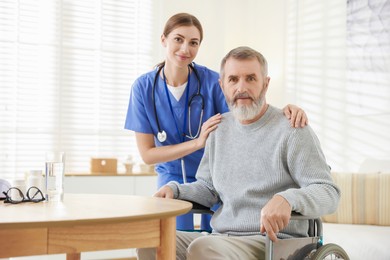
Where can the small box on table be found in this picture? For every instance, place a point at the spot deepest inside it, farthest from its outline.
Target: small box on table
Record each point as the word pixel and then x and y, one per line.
pixel 104 165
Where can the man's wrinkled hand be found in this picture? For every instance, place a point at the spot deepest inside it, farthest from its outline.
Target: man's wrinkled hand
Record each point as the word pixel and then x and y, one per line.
pixel 275 216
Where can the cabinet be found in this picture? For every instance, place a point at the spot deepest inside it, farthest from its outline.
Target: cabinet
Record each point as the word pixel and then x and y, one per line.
pixel 129 184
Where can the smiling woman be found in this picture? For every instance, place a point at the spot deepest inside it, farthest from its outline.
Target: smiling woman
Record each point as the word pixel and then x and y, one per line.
pixel 66 68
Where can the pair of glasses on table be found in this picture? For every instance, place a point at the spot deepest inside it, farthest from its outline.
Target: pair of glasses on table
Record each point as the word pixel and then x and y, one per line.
pixel 14 195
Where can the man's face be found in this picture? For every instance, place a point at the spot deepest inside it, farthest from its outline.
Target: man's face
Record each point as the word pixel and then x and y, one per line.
pixel 244 86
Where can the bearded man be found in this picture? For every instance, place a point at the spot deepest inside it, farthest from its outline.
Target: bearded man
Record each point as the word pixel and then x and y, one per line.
pixel 257 167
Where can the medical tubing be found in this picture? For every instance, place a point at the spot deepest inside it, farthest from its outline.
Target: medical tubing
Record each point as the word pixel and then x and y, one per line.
pixel 183 170
pixel 187 109
pixel 154 98
pixel 191 136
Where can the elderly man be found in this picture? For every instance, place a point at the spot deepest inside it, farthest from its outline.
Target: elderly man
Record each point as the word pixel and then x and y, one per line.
pixel 257 167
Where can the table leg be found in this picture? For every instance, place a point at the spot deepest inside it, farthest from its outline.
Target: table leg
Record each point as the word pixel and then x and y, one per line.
pixel 167 248
pixel 73 256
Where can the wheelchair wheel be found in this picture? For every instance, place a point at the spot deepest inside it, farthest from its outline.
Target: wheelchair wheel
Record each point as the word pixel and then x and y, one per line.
pixel 305 253
pixel 330 252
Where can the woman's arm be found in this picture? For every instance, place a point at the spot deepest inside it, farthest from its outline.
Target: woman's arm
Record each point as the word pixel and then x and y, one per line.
pixel 296 115
pixel 151 154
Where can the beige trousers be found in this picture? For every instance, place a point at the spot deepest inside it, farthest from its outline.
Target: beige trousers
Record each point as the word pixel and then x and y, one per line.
pixel 196 246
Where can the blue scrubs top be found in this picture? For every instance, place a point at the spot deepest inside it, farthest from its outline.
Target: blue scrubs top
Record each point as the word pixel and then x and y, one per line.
pixel 141 117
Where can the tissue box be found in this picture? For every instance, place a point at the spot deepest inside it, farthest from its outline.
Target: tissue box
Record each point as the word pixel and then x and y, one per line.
pixel 104 165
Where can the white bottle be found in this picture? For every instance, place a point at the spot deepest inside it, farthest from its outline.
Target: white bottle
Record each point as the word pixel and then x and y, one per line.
pixel 14 193
pixel 35 178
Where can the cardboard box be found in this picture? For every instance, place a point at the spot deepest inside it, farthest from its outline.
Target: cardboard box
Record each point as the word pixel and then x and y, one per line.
pixel 104 165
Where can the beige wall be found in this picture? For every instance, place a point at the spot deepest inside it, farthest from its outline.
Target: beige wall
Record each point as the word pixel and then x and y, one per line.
pixel 230 23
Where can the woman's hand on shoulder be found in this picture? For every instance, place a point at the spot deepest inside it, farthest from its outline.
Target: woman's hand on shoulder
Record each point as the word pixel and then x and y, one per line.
pixel 296 115
pixel 208 126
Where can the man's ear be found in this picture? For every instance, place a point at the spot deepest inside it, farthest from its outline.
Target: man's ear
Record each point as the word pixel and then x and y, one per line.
pixel 220 83
pixel 267 80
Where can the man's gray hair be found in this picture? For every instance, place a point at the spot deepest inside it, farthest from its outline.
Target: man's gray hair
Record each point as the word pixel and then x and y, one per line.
pixel 245 53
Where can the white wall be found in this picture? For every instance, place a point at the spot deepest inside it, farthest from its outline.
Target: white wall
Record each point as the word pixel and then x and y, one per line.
pixel 227 24
pixel 351 142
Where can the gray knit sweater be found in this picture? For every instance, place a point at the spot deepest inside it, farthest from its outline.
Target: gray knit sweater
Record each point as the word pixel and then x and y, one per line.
pixel 245 165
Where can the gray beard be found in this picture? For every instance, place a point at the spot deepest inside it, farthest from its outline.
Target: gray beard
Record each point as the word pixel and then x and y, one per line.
pixel 244 113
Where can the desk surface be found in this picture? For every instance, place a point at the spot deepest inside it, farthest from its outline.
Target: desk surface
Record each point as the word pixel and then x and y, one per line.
pixel 89 208
pixel 89 222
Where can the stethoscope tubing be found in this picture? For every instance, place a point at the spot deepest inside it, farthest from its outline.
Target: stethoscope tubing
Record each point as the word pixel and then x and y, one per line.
pixel 161 132
pixel 161 135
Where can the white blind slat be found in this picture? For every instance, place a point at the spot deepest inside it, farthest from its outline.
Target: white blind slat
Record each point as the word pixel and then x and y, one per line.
pixel 338 70
pixel 66 71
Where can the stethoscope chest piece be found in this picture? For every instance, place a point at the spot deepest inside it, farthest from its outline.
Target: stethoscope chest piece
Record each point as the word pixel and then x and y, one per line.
pixel 161 136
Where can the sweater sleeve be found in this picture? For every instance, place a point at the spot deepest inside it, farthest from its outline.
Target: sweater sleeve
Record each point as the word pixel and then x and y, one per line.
pixel 317 194
pixel 202 190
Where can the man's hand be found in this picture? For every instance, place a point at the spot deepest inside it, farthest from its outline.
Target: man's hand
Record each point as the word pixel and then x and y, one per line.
pixel 164 192
pixel 275 216
pixel 296 115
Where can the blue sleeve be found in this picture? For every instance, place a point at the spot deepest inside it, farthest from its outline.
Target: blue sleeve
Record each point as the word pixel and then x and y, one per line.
pixel 140 107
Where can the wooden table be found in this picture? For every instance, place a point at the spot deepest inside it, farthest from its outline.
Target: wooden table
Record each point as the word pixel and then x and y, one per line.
pixel 89 222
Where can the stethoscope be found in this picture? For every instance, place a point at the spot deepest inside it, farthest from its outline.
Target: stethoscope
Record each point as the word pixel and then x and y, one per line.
pixel 161 134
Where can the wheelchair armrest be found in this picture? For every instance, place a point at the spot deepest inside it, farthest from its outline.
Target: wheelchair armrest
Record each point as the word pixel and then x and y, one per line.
pixel 299 216
pixel 315 223
pixel 200 209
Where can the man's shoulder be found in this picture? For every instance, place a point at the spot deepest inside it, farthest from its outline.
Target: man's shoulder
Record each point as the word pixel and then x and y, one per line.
pixel 226 123
pixel 280 125
pixel 227 118
pixel 277 117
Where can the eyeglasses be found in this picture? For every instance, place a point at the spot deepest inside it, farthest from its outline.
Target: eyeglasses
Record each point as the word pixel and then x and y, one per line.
pixel 15 195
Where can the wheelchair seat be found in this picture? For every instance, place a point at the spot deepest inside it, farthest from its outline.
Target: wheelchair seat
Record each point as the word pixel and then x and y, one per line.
pixel 299 248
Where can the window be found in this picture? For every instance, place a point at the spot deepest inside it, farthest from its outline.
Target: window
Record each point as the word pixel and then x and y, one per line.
pixel 338 71
pixel 66 68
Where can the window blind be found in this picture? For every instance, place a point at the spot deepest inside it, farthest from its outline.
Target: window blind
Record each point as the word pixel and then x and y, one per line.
pixel 316 69
pixel 338 71
pixel 66 68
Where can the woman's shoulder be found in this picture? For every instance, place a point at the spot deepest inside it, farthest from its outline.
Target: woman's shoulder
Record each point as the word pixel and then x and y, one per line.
pixel 147 76
pixel 145 80
pixel 206 72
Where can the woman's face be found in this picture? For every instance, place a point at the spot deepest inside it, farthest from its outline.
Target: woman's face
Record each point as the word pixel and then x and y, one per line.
pixel 182 45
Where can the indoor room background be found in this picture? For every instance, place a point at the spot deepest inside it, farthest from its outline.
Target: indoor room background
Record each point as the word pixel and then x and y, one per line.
pixel 66 70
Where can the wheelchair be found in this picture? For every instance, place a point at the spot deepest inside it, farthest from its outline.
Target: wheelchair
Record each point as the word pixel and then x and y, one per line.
pixel 300 248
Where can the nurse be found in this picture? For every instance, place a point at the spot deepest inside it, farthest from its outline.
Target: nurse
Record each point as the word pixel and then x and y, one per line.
pixel 173 108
